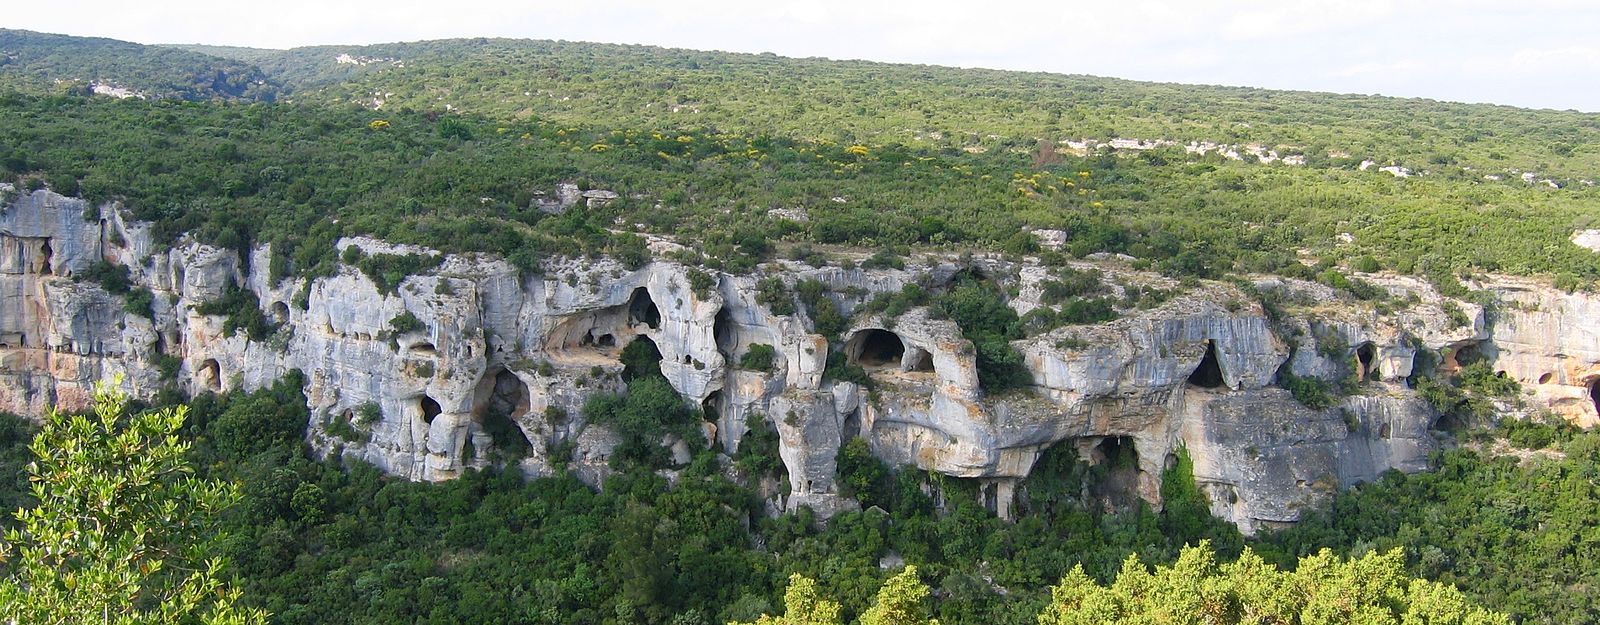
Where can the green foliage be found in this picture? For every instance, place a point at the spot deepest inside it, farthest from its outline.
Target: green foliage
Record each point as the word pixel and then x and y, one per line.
pixel 140 302
pixel 111 277
pixel 649 410
pixel 387 271
pixel 1461 523
pixel 121 531
pixel 802 606
pixel 1479 377
pixel 990 324
pixel 243 312
pixel 406 323
pixel 900 602
pixel 267 418
pixel 758 448
pixel 52 64
pixel 1322 589
pixel 840 369
pixel 1069 283
pixel 862 475
pixel 774 294
pixel 758 357
pixel 1311 392
pixel 701 283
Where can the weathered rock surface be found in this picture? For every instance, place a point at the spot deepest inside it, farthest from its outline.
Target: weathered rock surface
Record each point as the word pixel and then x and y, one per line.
pixel 1196 372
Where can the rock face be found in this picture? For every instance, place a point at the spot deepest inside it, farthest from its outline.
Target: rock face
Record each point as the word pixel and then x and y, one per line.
pixel 1198 372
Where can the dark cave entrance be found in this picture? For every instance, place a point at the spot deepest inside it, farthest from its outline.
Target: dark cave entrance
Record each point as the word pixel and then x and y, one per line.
pixel 1594 393
pixel 1424 364
pixel 711 408
pixel 642 309
pixel 921 360
pixel 1365 355
pixel 45 252
pixel 430 408
pixel 879 349
pixel 641 358
pixel 722 331
pixel 852 426
pixel 210 374
pixel 280 313
pixel 1209 373
pixel 1115 473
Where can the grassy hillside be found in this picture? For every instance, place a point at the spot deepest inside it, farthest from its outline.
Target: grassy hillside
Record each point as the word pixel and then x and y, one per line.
pixel 452 143
pixel 878 103
pixel 43 63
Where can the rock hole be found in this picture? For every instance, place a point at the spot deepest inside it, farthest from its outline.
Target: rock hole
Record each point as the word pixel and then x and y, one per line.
pixel 45 252
pixel 1594 393
pixel 1115 473
pixel 722 330
pixel 280 313
pixel 711 408
pixel 1209 373
pixel 1424 364
pixel 587 340
pixel 874 348
pixel 1545 379
pixel 921 360
pixel 1364 357
pixel 852 426
pixel 429 408
pixel 210 374
pixel 642 309
pixel 606 340
pixel 502 398
pixel 687 359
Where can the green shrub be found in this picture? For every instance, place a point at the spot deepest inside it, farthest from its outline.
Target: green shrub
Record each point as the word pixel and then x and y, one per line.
pixel 758 357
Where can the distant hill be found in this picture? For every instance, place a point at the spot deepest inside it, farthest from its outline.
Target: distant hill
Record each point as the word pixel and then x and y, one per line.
pixel 43 63
pixel 879 103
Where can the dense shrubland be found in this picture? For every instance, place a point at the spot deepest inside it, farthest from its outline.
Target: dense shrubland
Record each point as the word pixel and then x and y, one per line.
pixel 319 542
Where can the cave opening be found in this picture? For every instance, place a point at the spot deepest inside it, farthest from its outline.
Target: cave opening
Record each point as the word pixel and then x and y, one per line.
pixel 1594 393
pixel 507 395
pixel 429 408
pixel 851 429
pixel 280 313
pixel 879 349
pixel 1114 474
pixel 45 253
pixel 711 408
pixel 606 340
pixel 424 348
pixel 921 360
pixel 641 358
pixel 1468 354
pixel 722 331
pixel 1365 354
pixel 1546 378
pixel 1209 373
pixel 642 309
pixel 1424 364
pixel 210 374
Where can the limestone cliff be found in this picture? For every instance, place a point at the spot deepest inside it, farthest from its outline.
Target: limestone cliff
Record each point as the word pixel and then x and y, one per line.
pixel 1198 371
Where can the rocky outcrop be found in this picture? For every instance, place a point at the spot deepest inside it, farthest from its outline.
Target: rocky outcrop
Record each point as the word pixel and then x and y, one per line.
pixel 414 380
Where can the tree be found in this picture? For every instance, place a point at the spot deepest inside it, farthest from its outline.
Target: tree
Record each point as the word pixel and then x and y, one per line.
pixel 1322 589
pixel 900 602
pixel 802 606
pixel 122 530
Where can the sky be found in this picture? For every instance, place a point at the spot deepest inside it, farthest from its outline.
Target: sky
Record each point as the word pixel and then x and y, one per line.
pixel 1532 53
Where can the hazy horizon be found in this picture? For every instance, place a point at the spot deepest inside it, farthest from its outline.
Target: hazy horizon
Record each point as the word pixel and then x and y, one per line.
pixel 1537 55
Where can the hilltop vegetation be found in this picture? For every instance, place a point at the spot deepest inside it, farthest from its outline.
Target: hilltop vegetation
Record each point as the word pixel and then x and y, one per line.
pixel 471 133
pixel 43 63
